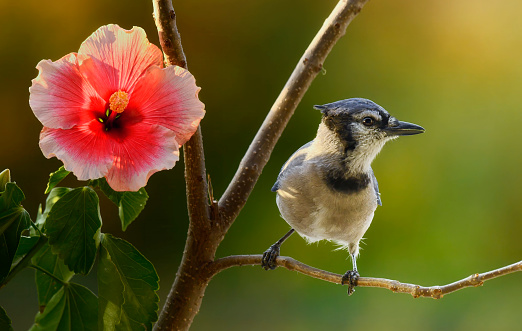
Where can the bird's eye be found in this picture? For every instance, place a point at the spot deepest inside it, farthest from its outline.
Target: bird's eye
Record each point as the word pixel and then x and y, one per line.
pixel 368 121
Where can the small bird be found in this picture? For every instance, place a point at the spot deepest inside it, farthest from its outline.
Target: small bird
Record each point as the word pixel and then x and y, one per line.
pixel 327 189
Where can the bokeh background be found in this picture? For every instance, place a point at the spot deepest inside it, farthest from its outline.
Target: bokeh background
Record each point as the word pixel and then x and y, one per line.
pixel 451 197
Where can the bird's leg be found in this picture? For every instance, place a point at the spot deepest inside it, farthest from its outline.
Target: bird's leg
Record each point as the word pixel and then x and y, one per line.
pixel 351 276
pixel 271 254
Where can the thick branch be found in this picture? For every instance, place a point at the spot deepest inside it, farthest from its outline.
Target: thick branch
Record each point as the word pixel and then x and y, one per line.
pixel 185 296
pixel 306 70
pixel 435 292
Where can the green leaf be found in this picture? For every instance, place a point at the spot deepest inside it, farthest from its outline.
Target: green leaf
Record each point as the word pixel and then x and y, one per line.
pixel 46 285
pixel 13 220
pixel 114 196
pixel 127 285
pixel 5 321
pixel 5 177
pixel 130 204
pixel 73 307
pixel 73 226
pixel 10 238
pixel 56 194
pixel 55 178
pixel 24 246
pixel 12 197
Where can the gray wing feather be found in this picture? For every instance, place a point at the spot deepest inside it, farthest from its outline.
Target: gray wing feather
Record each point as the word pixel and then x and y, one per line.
pixel 292 161
pixel 376 188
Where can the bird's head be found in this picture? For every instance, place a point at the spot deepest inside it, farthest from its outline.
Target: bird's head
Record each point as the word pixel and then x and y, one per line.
pixel 363 127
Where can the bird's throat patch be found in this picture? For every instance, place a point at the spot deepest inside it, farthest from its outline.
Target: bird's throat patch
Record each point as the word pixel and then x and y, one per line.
pixel 337 182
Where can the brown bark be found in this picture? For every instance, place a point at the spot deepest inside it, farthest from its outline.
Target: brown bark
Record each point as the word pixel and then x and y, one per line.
pixel 187 291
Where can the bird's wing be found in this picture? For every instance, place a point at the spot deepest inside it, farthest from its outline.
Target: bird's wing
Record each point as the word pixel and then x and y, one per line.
pixel 294 160
pixel 376 187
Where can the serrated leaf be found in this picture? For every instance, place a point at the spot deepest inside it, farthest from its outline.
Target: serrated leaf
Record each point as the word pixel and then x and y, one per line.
pixel 55 178
pixel 130 204
pixel 56 194
pixel 72 227
pixel 5 177
pixel 73 307
pixel 46 285
pixel 5 321
pixel 127 285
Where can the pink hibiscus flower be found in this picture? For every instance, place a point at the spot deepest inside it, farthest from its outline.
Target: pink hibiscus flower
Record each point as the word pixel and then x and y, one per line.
pixel 111 110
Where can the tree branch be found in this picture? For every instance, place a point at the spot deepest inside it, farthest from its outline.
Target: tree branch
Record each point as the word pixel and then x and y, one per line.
pixel 193 153
pixel 263 144
pixel 435 292
pixel 170 40
pixel 187 291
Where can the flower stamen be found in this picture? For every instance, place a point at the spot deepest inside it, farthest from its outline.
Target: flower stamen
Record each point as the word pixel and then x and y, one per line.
pixel 118 101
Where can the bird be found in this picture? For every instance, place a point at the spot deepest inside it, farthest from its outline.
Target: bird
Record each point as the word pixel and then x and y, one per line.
pixel 327 189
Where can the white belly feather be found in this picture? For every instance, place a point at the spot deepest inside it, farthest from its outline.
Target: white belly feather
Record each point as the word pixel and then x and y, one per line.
pixel 326 214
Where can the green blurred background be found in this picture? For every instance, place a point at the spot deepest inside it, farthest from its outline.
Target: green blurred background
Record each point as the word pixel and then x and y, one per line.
pixel 451 196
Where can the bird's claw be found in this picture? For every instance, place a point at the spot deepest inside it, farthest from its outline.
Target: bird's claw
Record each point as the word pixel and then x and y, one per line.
pixel 350 278
pixel 269 258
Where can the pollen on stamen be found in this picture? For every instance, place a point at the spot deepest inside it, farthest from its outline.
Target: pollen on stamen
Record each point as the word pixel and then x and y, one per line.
pixel 118 101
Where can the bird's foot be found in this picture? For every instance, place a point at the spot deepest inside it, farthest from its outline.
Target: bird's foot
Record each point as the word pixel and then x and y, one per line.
pixel 350 278
pixel 269 257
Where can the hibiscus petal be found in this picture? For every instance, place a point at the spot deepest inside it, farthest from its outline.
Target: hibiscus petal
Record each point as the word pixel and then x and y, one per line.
pixel 114 59
pixel 60 97
pixel 169 97
pixel 141 151
pixel 85 149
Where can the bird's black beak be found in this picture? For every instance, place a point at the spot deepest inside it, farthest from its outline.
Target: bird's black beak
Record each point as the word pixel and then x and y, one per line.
pixel 400 128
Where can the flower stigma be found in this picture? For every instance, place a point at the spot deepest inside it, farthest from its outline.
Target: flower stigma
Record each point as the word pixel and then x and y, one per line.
pixel 117 104
pixel 118 101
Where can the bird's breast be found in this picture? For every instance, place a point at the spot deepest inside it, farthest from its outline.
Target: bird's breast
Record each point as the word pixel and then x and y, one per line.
pixel 317 211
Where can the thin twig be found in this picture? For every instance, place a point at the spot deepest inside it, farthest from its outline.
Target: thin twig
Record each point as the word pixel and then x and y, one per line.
pixel 435 292
pixel 310 64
